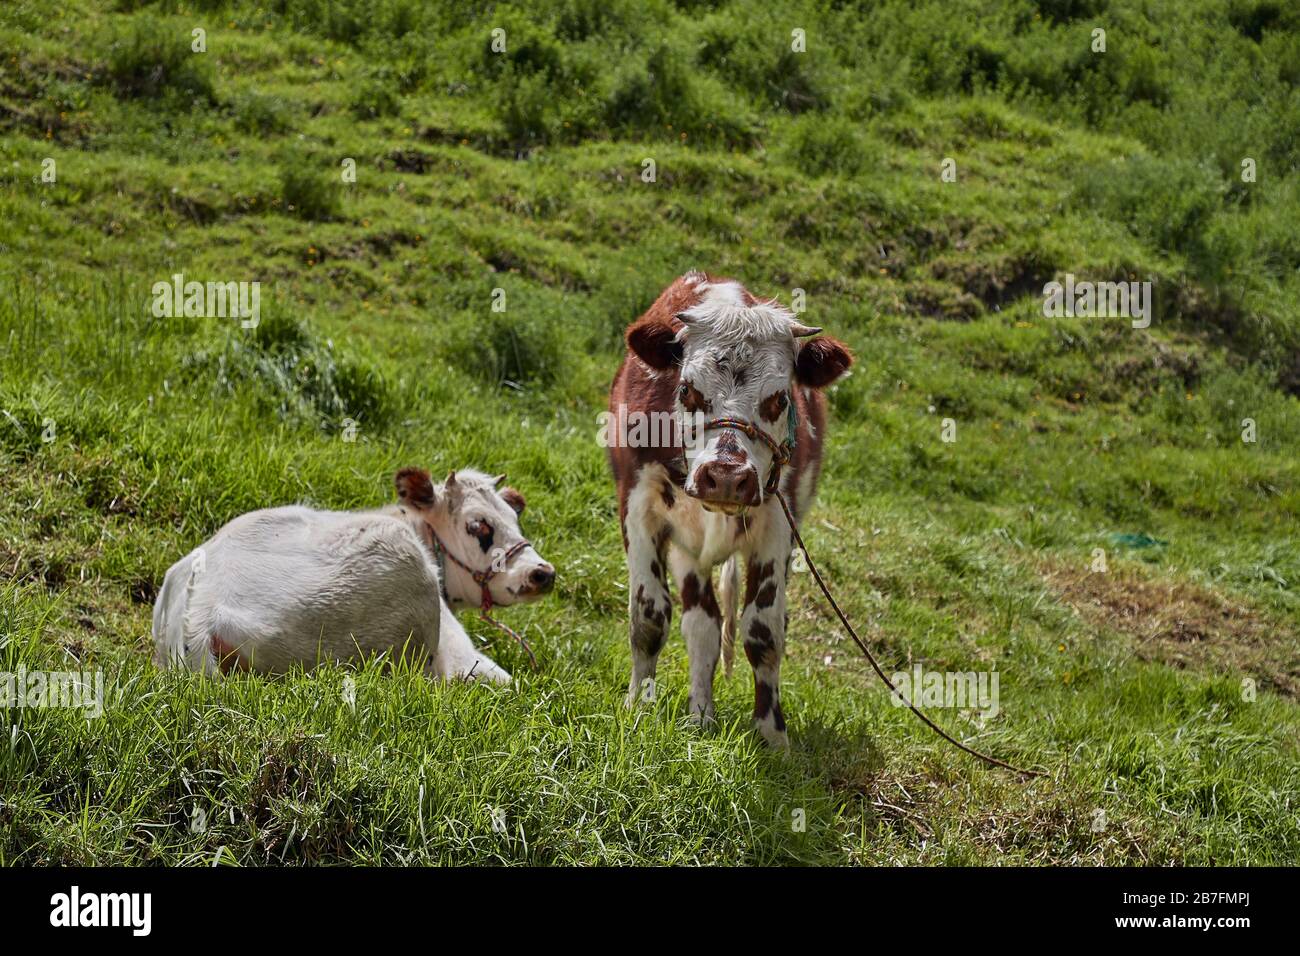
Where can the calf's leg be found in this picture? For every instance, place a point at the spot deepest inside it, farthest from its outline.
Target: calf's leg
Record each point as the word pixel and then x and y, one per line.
pixel 702 629
pixel 649 606
pixel 457 657
pixel 763 625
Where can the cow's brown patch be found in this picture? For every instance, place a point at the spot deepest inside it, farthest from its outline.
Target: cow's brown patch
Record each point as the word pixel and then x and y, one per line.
pixel 709 602
pixel 755 574
pixel 692 400
pixel 514 499
pixel 650 609
pixel 821 361
pixel 661 541
pixel 690 592
pixel 650 622
pixel 767 701
pixel 415 487
pixel 666 494
pixel 697 593
pixel 778 718
pixel 760 647
pixel 767 596
pixel 228 659
pixel 773 407
pixel 1182 624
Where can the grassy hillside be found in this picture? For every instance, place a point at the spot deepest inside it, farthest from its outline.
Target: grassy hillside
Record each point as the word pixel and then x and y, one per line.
pixel 125 440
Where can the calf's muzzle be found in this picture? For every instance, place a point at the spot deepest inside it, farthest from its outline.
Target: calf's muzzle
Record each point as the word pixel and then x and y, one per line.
pixel 726 482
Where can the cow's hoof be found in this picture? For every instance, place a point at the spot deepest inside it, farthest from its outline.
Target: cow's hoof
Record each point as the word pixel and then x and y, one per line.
pixel 776 739
pixel 703 717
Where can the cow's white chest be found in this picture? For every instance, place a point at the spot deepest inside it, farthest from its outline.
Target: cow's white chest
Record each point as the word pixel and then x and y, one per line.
pixel 708 537
pixel 711 538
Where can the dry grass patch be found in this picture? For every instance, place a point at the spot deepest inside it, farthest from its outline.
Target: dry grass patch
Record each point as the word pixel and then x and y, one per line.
pixel 1182 624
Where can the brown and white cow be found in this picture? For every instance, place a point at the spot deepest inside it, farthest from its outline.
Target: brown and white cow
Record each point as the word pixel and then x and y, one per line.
pixel 709 350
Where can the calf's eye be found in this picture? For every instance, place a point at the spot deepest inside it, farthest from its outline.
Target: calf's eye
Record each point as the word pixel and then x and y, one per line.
pixel 482 531
pixel 691 398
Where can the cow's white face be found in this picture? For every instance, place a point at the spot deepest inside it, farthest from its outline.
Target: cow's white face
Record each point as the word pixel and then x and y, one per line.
pixel 738 358
pixel 738 362
pixel 478 522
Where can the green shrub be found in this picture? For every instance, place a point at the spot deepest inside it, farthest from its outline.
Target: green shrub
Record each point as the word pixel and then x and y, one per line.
pixel 260 114
pixel 1062 11
pixel 153 58
pixel 308 192
pixel 758 59
pixel 1168 202
pixel 820 145
pixel 374 98
pixel 1252 18
pixel 663 95
pixel 287 368
pixel 521 348
pixel 527 109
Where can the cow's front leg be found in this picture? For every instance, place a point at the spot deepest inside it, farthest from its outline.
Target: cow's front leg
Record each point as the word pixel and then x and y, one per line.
pixel 763 627
pixel 650 607
pixel 702 629
pixel 456 657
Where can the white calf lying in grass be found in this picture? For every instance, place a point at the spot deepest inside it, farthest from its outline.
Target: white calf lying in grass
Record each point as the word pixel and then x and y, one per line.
pixel 294 585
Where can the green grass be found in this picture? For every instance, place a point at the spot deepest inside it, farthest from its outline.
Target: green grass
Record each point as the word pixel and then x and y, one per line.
pixel 521 172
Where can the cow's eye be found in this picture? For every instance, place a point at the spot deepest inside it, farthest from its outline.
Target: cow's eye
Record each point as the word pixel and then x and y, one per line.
pixel 481 531
pixel 691 398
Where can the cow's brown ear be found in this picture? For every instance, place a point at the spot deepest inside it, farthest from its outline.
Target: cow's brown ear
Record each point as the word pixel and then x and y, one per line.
pixel 414 487
pixel 655 343
pixel 821 361
pixel 514 499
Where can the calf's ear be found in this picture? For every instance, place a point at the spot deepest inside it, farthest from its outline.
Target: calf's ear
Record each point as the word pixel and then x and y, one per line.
pixel 414 487
pixel 655 343
pixel 821 361
pixel 514 499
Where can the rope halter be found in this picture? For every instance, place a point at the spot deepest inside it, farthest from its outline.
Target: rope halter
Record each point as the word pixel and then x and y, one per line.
pixel 484 580
pixel 781 451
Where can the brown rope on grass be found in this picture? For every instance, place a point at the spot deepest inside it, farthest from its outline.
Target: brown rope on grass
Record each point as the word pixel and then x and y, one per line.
pixel 994 761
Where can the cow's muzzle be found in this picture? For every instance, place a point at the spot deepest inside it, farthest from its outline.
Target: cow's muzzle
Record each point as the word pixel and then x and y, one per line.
pixel 540 580
pixel 726 485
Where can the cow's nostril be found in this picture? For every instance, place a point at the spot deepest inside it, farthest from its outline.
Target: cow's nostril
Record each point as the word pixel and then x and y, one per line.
pixel 542 578
pixel 746 487
pixel 707 482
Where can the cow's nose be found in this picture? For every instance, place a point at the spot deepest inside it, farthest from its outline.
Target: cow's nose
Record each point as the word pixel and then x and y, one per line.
pixel 542 578
pixel 728 482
